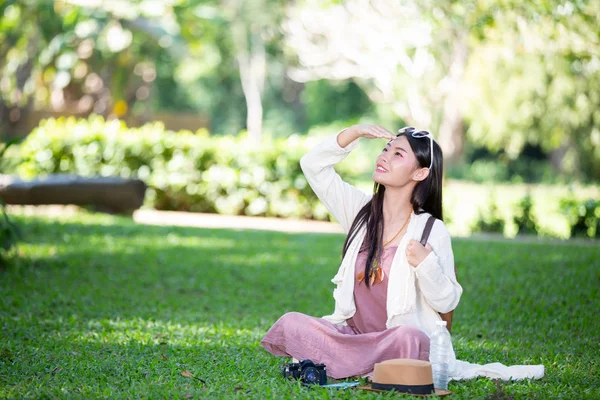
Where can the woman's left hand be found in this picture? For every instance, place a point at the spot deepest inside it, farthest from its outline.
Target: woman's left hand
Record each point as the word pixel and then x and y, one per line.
pixel 416 252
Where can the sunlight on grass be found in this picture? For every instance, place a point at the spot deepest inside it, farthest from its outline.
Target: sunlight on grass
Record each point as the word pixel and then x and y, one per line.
pixel 168 333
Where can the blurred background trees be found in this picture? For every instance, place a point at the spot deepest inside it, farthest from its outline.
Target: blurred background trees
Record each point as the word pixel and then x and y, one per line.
pixel 501 80
pixel 510 89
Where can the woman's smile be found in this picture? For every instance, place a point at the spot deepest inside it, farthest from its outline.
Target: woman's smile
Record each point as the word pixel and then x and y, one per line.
pixel 380 169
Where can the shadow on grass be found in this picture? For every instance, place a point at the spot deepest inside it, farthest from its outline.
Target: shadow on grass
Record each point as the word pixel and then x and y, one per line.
pixel 174 273
pixel 157 365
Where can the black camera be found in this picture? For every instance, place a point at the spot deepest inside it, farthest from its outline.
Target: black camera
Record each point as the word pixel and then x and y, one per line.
pixel 307 371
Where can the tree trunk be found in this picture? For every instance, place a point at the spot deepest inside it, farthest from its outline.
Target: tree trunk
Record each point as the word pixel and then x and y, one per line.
pixel 451 133
pixel 11 114
pixel 292 94
pixel 251 57
pixel 557 157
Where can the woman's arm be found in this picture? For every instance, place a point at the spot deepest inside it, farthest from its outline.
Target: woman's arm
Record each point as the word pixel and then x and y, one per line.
pixel 436 274
pixel 342 200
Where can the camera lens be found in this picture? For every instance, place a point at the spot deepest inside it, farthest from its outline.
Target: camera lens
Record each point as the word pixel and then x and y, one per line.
pixel 310 376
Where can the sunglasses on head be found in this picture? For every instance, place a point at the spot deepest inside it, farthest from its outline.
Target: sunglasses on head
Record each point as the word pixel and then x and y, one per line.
pixel 419 134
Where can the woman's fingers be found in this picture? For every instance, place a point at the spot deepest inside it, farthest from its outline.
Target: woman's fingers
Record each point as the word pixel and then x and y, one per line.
pixel 416 252
pixel 384 133
pixel 377 131
pixel 372 132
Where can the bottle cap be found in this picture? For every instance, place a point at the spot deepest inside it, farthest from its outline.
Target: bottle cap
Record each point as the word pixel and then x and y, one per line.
pixel 440 323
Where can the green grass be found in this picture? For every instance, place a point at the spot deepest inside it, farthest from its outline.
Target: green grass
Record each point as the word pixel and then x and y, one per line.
pixel 99 307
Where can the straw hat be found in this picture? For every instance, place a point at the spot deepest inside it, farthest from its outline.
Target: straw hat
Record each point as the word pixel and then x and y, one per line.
pixel 405 376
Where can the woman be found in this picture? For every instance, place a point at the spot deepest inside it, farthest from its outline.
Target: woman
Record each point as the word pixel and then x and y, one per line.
pixel 390 289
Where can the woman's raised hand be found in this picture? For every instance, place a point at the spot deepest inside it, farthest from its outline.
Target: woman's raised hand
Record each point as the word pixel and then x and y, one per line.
pixel 354 132
pixel 371 132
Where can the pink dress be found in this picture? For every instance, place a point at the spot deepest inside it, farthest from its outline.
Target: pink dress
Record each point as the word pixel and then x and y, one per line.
pixel 350 350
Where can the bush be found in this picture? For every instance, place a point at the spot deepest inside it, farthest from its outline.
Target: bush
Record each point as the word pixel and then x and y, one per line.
pixel 185 171
pixel 583 216
pixel 499 170
pixel 524 218
pixel 489 220
pixel 9 232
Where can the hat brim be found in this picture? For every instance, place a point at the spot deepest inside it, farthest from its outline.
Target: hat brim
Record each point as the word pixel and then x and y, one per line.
pixel 438 392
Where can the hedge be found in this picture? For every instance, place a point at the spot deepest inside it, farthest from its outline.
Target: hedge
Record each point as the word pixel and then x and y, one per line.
pixel 185 171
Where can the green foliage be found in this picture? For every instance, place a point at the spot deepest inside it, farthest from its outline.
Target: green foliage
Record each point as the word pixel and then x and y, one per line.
pixel 328 102
pixel 489 220
pixel 9 231
pixel 527 72
pixel 185 171
pixel 480 171
pixel 508 73
pixel 529 81
pixel 484 166
pixel 101 307
pixel 134 57
pixel 524 218
pixel 583 216
pixel 9 234
pixel 98 55
pixel 466 201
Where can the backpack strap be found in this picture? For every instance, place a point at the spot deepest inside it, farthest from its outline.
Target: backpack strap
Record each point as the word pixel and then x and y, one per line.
pixel 428 225
pixel 427 230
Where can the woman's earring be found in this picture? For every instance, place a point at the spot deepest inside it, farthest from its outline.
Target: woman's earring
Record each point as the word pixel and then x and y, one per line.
pixel 377 187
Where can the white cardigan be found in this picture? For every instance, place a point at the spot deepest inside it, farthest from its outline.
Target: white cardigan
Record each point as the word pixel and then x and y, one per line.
pixel 415 296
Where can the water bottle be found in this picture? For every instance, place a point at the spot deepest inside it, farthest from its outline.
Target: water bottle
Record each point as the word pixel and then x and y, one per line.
pixel 439 354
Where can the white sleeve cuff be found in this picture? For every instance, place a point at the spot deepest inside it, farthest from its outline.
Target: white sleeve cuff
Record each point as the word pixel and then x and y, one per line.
pixel 429 266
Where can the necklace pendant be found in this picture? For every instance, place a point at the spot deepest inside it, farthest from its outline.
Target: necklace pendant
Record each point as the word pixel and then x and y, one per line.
pixel 360 276
pixel 377 276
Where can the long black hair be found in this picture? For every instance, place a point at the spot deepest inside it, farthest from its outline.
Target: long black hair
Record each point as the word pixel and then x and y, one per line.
pixel 426 197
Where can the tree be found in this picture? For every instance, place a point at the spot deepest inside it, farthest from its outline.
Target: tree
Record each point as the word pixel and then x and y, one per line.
pixel 81 59
pixel 108 57
pixel 536 79
pixel 248 34
pixel 516 72
pixel 393 51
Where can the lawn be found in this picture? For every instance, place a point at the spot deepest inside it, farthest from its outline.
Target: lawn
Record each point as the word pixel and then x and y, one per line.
pixel 99 307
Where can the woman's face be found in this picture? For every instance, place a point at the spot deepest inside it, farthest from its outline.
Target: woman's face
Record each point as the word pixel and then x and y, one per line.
pixel 396 164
